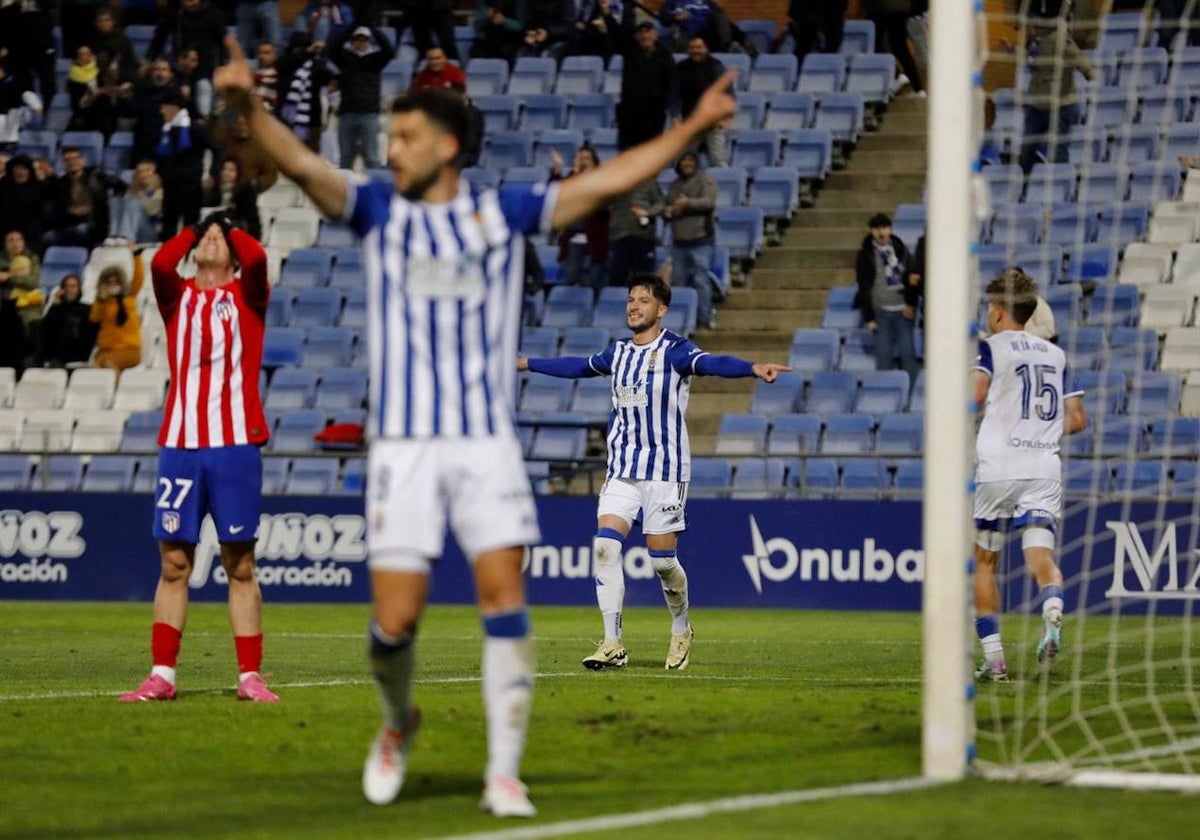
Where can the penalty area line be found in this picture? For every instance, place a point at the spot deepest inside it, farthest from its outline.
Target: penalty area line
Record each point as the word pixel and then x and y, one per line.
pixel 698 810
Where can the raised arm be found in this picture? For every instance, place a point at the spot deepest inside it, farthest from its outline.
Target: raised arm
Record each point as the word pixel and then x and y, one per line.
pixel 582 195
pixel 139 274
pixel 319 180
pixel 168 287
pixel 256 288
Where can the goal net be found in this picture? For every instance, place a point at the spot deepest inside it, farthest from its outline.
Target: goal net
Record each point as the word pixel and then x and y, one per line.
pixel 1084 183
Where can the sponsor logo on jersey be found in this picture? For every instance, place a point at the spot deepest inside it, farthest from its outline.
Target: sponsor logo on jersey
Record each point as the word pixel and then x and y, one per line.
pixel 1141 573
pixel 1037 445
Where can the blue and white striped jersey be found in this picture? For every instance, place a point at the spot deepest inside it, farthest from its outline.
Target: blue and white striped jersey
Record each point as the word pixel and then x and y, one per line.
pixel 444 292
pixel 647 435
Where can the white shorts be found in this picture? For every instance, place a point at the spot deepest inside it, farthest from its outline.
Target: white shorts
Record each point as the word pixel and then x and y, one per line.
pixel 416 487
pixel 661 503
pixel 1031 501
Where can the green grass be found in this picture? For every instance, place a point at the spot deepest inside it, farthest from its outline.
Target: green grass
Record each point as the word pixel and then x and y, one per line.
pixel 774 701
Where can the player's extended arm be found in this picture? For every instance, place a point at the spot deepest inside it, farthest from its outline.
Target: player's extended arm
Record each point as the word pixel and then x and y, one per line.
pixel 583 194
pixel 168 287
pixel 255 286
pixel 1076 416
pixel 731 367
pixel 564 367
pixel 319 180
pixel 979 383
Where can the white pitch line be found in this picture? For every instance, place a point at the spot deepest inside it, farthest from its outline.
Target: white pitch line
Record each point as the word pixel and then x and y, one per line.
pixel 698 810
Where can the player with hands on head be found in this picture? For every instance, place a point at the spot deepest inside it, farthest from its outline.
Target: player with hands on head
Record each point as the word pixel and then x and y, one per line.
pixel 649 457
pixel 444 266
pixel 212 431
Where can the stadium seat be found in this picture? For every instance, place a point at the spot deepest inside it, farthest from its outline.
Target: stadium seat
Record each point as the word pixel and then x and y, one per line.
pixel 711 478
pixel 539 342
pixel 1103 392
pixel 740 229
pixel 307 268
pixel 790 111
pixel 831 393
pixel 882 392
pixel 311 477
pixel 1158 181
pixel 141 431
pixel 847 434
pixel 822 73
pixel 328 347
pixel 340 388
pixel 1140 477
pixel 354 313
pixel 1017 224
pixel 293 227
pixel 354 477
pixel 1144 68
pixel 794 434
pixel 558 444
pixel 60 260
pixel 1005 184
pixel 1181 140
pixel 1173 231
pixel 140 389
pixel 775 189
pixel 758 478
pixel 910 475
pixel 817 477
pixel 1051 182
pixel 543 111
pixel 840 313
pixel 741 434
pixel 1145 264
pixel 773 73
pixel 864 476
pixel 779 397
pixel 568 306
pixel 900 434
pixel 1132 349
pixel 59 474
pixel 842 115
pixel 1117 436
pixel 316 307
pixel 731 185
pixel 593 400
pixel 90 388
pixel 506 149
pixel 858 37
pixel 809 152
pixel 275 470
pixel 45 430
pixel 1153 393
pixel 295 429
pixel 291 388
pixel 544 395
pixel 282 347
pixel 1184 478
pixel 98 430
pixel 530 75
pixel 8 386
pixel 1066 302
pixel 486 76
pixel 15 472
pixel 1091 477
pixel 1175 436
pixel 1086 347
pixel 565 141
pixel 580 75
pixel 1114 305
pixel 761 33
pixel 1164 108
pixel 916 400
pixel 871 75
pixel 1164 307
pixel 592 111
pixel 91 143
pixel 501 112
pixel 858 351
pixel 1092 263
pixel 109 474
pixel 41 388
pixel 751 111
pixel 814 350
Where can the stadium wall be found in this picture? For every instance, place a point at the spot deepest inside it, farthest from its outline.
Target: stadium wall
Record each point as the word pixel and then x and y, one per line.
pixel 840 555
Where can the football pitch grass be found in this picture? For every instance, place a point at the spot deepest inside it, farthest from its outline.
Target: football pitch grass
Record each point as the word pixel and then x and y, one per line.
pixel 774 702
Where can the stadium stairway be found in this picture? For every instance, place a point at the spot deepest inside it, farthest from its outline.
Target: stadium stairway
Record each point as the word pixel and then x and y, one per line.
pixel 789 284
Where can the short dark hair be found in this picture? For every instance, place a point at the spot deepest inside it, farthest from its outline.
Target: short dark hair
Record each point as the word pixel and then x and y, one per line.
pixel 879 220
pixel 1015 292
pixel 658 287
pixel 447 110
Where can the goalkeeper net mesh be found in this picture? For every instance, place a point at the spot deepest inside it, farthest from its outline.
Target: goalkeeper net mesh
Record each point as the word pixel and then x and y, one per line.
pixel 1092 123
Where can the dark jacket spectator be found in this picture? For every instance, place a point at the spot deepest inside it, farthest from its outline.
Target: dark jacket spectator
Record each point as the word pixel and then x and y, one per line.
pixel 22 199
pixel 68 334
pixel 646 82
pixel 79 200
pixel 888 296
pixel 148 95
pixel 180 159
pixel 194 23
pixel 865 273
pixel 361 57
pixel 13 344
pixel 693 75
pixel 27 41
pixel 816 25
pixel 92 108
pixel 232 193
pixel 499 29
pixel 427 19
pixel 597 23
pixel 113 49
pixel 549 25
pixel 691 200
pixel 632 233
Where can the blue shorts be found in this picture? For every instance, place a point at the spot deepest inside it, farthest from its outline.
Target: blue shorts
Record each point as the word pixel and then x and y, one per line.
pixel 225 481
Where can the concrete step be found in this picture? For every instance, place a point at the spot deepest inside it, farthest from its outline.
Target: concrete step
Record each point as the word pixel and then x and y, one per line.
pixel 757 320
pixel 903 159
pixel 881 141
pixel 812 256
pixel 892 182
pixel 702 444
pixel 824 217
pixel 850 236
pixel 717 385
pixel 781 274
pixel 748 344
pixel 705 406
pixel 865 202
pixel 774 299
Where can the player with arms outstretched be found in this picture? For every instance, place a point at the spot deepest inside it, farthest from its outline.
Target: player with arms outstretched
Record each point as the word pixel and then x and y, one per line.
pixel 1029 401
pixel 649 458
pixel 213 427
pixel 444 276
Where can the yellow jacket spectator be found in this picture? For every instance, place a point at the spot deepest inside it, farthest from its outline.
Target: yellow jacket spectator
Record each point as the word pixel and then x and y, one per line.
pixel 119 343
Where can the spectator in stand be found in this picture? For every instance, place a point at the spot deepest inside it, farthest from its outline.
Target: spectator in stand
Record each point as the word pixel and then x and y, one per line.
pixel 141 207
pixel 1051 57
pixel 887 297
pixel 361 58
pixel 257 22
pixel 438 72
pixel 816 25
pixel 115 312
pixel 647 78
pixel 1176 16
pixel 596 23
pixel 266 76
pixel 693 75
pixel 13 345
pixel 231 133
pixel 583 246
pixel 114 51
pixel 499 29
pixel 631 232
pixel 428 18
pixel 148 93
pixel 236 197
pixel 20 278
pixel 68 334
pixel 194 23
pixel 22 199
pixel 302 75
pixel 13 104
pixel 92 107
pixel 891 34
pixel 196 89
pixel 79 199
pixel 27 42
pixel 325 19
pixel 549 25
pixel 688 18
pixel 691 200
pixel 180 159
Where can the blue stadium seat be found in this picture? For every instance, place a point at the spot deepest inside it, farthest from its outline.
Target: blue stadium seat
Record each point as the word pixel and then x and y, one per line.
pixel 341 388
pixel 565 141
pixel 141 431
pixel 740 229
pixel 15 472
pixel 558 444
pixel 814 350
pixel 307 268
pixel 118 152
pixel 790 111
pixel 809 152
pixel 711 478
pixel 1051 182
pixel 545 394
pixel 776 191
pixel 731 185
pixel 1016 224
pixel 751 111
pixel 354 314
pixel 64 259
pixel 1183 139
pixel 1141 477
pixel 858 351
pixel 604 141
pixel 539 342
pixel 1184 478
pixel 580 75
pixel 900 434
pixel 1119 436
pixel 916 400
pixel 871 75
pixel 506 149
pixel 858 36
pixel 317 307
pixel 1005 184
pixel 295 429
pixel 526 175
pixel 759 478
pixel 584 341
pixel 773 73
pixel 847 434
pixel 741 434
pixel 275 470
pixel 1153 393
pixel 312 477
pixel 840 313
pixel 568 306
pixel 107 474
pixel 1103 392
pixel 1176 436
pixel 347 276
pixel 779 397
pixel 842 114
pixel 1164 108
pixel 1122 222
pixel 1114 305
pixel 1120 33
pixel 1109 108
pixel 1095 262
pixel 910 474
pixel 591 111
pixel 593 399
pixel 831 392
pixel 1144 68
pixel 1087 145
pixel 1136 144
pixel 1103 182
pixel 822 73
pixel 815 477
pixel 282 347
pixel 1160 181
pixel 501 111
pixel 1066 302
pixel 739 62
pixel 1071 225
pixel 481 178
pixel 328 347
pixel 291 388
pixel 1139 343
pixel 1042 262
pixel 761 33
pixel 1086 347
pixel 544 111
pixel 864 475
pixel 354 477
pixel 682 315
pixel 395 78
pixel 59 474
pixel 794 434
pixel 530 75
pixel 332 235
pixel 486 76
pixel 882 391
pixel 1091 477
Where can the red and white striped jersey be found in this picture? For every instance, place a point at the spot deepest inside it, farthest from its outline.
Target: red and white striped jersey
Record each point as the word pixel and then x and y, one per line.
pixel 215 344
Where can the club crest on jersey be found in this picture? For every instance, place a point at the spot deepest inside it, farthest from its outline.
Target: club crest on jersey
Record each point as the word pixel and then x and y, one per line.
pixel 224 309
pixel 653 364
pixel 170 521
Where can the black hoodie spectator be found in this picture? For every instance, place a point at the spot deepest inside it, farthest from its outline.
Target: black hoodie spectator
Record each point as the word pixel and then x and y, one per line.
pixel 646 82
pixel 359 79
pixel 22 199
pixel 194 23
pixel 68 334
